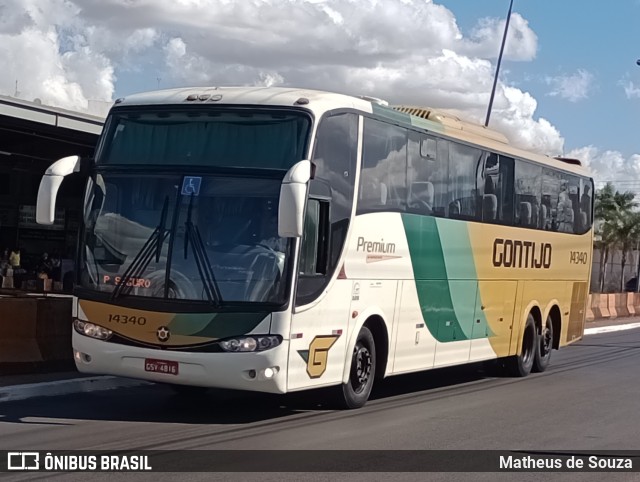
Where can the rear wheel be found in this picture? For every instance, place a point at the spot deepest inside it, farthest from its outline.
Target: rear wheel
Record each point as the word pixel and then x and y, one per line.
pixel 544 345
pixel 521 365
pixel 356 391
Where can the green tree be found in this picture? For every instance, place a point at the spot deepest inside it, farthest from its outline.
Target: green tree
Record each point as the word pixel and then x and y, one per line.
pixel 627 231
pixel 616 227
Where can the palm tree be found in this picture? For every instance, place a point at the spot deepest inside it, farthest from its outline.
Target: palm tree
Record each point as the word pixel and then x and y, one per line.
pixel 626 227
pixel 627 231
pixel 604 213
pixel 616 227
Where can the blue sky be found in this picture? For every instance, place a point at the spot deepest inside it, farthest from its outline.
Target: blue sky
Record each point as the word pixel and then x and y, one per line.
pixel 600 38
pixel 569 84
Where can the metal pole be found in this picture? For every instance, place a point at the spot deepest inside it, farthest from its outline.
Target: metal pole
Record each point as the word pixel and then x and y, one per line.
pixel 495 78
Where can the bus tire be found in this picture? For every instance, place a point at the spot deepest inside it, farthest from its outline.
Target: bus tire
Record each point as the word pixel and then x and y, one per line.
pixel 356 391
pixel 521 365
pixel 544 345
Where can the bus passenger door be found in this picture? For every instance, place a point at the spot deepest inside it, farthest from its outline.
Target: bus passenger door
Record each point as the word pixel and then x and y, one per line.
pixel 493 320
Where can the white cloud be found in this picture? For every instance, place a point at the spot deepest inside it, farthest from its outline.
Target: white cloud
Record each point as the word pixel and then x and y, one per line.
pixel 631 90
pixel 610 165
pixel 41 51
pixel 486 37
pixel 572 87
pixel 69 52
pixel 269 79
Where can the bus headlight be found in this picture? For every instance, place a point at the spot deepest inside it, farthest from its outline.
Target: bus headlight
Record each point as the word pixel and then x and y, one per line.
pixel 250 343
pixel 92 331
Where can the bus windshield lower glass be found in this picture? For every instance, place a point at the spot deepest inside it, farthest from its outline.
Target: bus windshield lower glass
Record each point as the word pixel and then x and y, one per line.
pixel 200 238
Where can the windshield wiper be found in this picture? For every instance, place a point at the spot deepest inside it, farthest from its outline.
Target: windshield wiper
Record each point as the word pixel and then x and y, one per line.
pixel 153 246
pixel 192 233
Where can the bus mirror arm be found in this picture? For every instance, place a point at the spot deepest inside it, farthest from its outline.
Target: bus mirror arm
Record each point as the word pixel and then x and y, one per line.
pixel 293 194
pixel 50 184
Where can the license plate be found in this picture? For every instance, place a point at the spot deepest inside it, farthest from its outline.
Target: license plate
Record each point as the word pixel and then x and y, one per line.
pixel 161 366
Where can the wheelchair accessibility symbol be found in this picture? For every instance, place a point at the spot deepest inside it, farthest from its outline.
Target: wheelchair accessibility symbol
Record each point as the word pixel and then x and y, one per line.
pixel 191 186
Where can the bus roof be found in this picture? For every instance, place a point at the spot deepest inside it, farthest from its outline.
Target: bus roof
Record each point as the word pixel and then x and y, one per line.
pixel 320 101
pixel 315 100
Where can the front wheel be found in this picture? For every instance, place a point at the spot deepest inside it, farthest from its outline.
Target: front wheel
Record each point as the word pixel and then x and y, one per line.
pixel 521 365
pixel 356 391
pixel 544 346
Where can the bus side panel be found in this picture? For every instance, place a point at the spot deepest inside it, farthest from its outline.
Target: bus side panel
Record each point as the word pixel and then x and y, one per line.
pixel 517 321
pixel 319 336
pixel 379 260
pixel 578 294
pixel 546 266
pixel 415 347
pixel 496 302
pixel 374 298
pixel 454 332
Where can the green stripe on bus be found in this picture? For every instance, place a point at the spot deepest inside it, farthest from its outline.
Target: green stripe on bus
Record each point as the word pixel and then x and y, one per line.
pixel 219 325
pixel 430 273
pixel 445 277
pixel 460 263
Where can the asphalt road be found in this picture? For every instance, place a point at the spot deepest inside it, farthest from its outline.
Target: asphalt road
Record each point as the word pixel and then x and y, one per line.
pixel 586 401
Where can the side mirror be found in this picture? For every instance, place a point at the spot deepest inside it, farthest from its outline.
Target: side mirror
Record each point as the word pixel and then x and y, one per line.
pixel 50 184
pixel 293 195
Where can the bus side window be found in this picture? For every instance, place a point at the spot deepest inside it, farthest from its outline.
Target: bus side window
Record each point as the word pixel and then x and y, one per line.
pixel 570 194
pixel 528 188
pixel 330 202
pixel 551 181
pixel 314 247
pixel 427 168
pixel 586 205
pixel 497 197
pixel 383 178
pixel 463 168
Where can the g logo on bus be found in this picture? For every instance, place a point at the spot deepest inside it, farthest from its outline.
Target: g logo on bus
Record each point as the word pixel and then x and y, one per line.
pixel 318 354
pixel 163 334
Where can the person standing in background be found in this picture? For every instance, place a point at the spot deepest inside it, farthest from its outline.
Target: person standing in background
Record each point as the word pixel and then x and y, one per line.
pixel 14 258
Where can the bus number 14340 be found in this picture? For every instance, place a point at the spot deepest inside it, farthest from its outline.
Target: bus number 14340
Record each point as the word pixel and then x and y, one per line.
pixel 134 320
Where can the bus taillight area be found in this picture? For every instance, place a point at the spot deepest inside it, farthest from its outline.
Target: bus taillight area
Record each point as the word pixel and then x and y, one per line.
pixel 263 371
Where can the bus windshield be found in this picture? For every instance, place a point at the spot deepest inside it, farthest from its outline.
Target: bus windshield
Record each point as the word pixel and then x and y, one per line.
pixel 200 238
pixel 196 218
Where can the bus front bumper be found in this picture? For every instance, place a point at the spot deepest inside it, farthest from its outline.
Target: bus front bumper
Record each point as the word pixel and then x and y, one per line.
pixel 255 371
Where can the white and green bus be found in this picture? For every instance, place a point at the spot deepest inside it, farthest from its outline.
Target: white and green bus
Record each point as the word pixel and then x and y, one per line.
pixel 277 240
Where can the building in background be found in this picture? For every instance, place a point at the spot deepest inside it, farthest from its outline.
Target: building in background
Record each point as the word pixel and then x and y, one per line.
pixel 32 137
